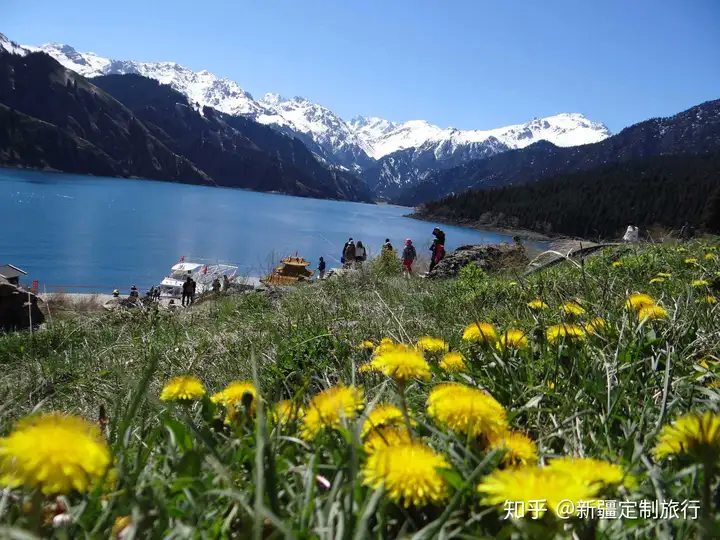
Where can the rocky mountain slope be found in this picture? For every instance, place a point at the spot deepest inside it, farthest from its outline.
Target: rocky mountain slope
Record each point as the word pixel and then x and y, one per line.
pixel 133 126
pixel 694 131
pixel 367 145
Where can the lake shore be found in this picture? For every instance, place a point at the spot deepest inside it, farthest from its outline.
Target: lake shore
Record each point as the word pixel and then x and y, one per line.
pixel 522 233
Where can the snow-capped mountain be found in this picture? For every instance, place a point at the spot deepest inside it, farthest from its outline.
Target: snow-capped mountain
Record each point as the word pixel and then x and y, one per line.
pixel 370 129
pixel 362 144
pixel 562 130
pixel 319 123
pixel 412 151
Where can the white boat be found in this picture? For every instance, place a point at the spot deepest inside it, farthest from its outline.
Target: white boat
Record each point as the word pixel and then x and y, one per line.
pixel 202 273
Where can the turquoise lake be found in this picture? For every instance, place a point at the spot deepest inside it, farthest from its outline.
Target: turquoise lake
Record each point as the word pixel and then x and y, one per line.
pixel 84 233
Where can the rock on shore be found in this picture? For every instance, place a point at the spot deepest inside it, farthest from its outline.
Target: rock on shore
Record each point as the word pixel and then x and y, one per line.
pixel 488 257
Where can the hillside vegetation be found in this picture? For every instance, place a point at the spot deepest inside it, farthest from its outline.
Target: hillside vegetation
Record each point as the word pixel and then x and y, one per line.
pixel 564 368
pixel 666 191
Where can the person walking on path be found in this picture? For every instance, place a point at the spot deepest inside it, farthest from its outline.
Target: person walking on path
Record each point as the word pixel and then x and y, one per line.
pixel 387 246
pixel 349 254
pixel 321 269
pixel 360 253
pixel 408 256
pixel 438 252
pixel 186 291
pixel 193 287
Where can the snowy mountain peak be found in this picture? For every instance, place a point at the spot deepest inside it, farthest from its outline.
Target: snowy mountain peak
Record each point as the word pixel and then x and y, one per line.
pixel 10 46
pixel 273 99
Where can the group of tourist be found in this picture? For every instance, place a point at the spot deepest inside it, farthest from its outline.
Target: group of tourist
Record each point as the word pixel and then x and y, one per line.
pixel 437 251
pixel 354 254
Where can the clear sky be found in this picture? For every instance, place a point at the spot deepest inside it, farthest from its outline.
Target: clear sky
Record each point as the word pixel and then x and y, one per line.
pixel 469 64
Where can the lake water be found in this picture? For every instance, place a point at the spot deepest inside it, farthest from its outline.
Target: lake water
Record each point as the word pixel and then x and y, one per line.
pixel 101 233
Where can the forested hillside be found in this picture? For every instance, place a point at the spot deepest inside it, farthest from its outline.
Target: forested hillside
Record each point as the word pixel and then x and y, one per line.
pixel 665 191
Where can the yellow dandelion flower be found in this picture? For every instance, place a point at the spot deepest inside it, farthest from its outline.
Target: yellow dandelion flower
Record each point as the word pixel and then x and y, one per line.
pixel 431 344
pixel 709 256
pixel 328 409
pixel 232 398
pixel 513 339
pixel 54 452
pixel 617 264
pixel 512 284
pixel 657 280
pixel 695 433
pixel 466 410
pixel 637 301
pixel 592 471
pixel 382 415
pixel 595 326
pixel 386 344
pixel 572 308
pixel 551 385
pixel 711 300
pixel 480 333
pixel 652 313
pixel 186 388
pixel 402 364
pixel 366 344
pixel 367 367
pixel 666 275
pixel 564 332
pixel 386 436
pixel 519 448
pixel 526 484
pixel 699 283
pixel 691 260
pixel 287 411
pixel 452 361
pixel 409 473
pixel 537 305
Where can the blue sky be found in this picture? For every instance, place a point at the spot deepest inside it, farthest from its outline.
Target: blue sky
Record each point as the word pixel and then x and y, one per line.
pixel 471 64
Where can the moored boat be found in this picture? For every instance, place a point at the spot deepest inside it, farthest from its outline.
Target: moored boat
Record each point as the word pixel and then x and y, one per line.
pixel 202 273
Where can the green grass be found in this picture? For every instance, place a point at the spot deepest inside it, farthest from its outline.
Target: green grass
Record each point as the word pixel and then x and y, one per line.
pixel 180 476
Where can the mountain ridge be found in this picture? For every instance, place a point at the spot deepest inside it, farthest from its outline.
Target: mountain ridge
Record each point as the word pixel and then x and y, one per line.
pixel 359 144
pixel 54 118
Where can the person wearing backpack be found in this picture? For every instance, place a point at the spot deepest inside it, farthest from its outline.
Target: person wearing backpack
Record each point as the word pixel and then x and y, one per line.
pixel 408 256
pixel 349 254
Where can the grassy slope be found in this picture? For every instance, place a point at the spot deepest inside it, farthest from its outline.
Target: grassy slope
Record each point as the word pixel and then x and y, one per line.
pixel 606 398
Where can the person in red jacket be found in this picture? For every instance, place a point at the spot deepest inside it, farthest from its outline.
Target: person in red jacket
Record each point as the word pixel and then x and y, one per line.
pixel 438 252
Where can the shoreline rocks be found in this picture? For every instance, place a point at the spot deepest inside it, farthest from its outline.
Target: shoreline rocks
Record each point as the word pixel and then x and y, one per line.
pixel 490 257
